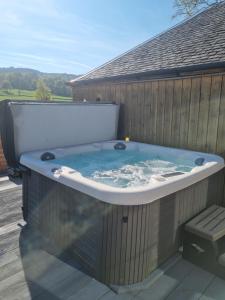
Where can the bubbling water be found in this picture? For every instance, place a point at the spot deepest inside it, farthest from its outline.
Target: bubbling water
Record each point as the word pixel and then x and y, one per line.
pixel 124 168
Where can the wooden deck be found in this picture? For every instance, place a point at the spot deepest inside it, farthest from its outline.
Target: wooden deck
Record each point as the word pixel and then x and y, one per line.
pixel 28 272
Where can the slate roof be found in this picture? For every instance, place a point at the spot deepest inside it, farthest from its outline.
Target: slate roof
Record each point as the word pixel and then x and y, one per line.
pixel 197 41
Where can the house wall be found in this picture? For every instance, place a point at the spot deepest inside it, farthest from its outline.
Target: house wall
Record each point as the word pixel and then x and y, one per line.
pixel 187 112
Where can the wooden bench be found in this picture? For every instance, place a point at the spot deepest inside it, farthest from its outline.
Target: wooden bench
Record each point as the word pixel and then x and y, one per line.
pixel 204 240
pixel 210 224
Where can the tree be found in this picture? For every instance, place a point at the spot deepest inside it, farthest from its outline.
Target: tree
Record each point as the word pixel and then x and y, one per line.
pixel 188 8
pixel 6 85
pixel 42 92
pixel 26 79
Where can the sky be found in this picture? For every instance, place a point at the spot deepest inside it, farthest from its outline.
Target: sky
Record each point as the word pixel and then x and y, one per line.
pixel 71 36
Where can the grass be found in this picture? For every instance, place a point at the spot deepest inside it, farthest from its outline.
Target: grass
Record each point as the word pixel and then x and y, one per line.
pixel 14 94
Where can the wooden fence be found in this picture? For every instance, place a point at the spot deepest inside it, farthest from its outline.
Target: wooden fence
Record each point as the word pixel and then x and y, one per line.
pixel 182 112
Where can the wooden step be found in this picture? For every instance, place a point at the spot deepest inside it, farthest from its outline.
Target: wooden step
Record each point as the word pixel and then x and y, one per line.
pixel 210 224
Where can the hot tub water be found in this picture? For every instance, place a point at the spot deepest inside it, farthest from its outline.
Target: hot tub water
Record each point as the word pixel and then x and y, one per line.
pixel 124 168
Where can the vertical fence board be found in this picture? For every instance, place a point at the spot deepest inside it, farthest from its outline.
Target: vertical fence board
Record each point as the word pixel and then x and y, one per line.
pixel 168 112
pixel 214 105
pixel 154 111
pixel 185 109
pixel 160 114
pixel 148 117
pixel 194 111
pixel 141 104
pixel 133 110
pixel 220 146
pixel 175 133
pixel 203 113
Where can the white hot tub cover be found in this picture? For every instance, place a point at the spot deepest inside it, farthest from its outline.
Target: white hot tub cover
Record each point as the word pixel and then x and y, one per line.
pixel 31 126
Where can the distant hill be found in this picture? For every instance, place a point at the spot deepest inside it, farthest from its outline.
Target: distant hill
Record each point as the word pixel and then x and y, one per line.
pixel 25 79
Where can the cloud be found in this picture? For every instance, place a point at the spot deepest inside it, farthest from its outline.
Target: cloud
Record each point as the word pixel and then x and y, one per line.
pixel 10 18
pixel 43 8
pixel 18 57
pixel 51 33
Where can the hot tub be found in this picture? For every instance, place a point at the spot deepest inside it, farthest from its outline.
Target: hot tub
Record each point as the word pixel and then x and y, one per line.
pixel 118 212
pixel 116 208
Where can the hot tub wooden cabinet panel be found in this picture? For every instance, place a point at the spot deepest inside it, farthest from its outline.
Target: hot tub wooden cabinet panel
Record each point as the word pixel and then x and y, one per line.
pixel 116 244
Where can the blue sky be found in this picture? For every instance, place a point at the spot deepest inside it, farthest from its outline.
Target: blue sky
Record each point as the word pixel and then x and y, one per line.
pixel 74 36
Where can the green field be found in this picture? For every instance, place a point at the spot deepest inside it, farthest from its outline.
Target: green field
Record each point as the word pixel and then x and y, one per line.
pixel 15 94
